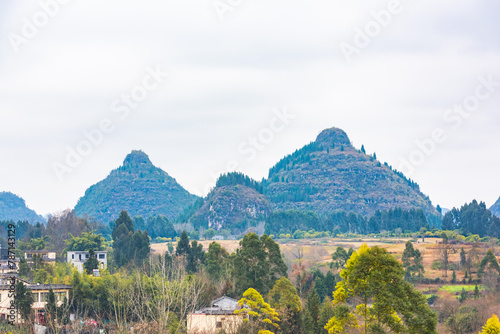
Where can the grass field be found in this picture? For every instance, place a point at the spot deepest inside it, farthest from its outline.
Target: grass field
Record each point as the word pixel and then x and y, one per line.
pixel 454 288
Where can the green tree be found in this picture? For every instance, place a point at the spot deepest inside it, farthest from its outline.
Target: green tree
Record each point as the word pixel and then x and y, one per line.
pixel 490 259
pixel 85 242
pixel 216 261
pixel 463 258
pixel 209 233
pixel 376 278
pixel 412 262
pixel 24 268
pixel 91 263
pixel 257 263
pixel 129 247
pixel 24 301
pixel 313 309
pixel 183 245
pixel 257 312
pixel 51 309
pixel 339 257
pixel 492 326
pixel 196 256
pixel 284 299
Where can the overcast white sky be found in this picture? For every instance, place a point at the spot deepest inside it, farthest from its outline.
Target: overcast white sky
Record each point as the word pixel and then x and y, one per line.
pixel 226 78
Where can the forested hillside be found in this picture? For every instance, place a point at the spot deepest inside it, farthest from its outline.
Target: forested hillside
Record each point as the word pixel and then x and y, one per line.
pixel 138 187
pixel 14 208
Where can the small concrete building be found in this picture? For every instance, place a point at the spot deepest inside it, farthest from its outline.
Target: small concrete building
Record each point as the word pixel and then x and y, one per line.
pixel 46 255
pixel 78 258
pixel 39 291
pixel 219 317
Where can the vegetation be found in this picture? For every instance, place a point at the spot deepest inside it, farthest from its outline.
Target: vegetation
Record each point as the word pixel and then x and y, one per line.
pixel 138 187
pixel 472 218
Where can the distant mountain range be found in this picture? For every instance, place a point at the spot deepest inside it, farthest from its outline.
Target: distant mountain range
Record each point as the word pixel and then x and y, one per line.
pixel 14 208
pixel 324 176
pixel 495 208
pixel 138 187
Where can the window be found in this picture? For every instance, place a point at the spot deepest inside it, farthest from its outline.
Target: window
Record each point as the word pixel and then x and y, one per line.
pixel 60 296
pixel 43 296
pixel 102 256
pixel 86 256
pixel 36 299
pixel 73 256
pixel 219 324
pixel 29 255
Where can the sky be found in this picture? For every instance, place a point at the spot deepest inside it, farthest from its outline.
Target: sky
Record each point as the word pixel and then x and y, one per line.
pixel 205 87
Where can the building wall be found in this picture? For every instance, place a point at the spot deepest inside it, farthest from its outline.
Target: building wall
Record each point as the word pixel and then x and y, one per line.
pixel 79 258
pixel 208 324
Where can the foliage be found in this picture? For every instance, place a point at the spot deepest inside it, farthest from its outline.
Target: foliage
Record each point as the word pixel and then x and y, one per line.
pixel 91 263
pixel 85 242
pixel 473 218
pixel 284 299
pixel 412 262
pixel 492 326
pixel 490 261
pixel 235 178
pixel 386 300
pixel 261 314
pixel 129 246
pixel 216 261
pixel 138 187
pixel 257 263
pixel 24 301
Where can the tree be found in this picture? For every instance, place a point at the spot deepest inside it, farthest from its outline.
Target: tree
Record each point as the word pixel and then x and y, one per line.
pixel 85 242
pixel 91 263
pixel 183 245
pixel 257 263
pixel 216 261
pixel 412 262
pixel 196 256
pixel 492 326
pixel 339 257
pixel 260 314
pixel 284 299
pixel 386 301
pixel 445 247
pixel 490 259
pixel 51 308
pixel 313 309
pixel 24 301
pixel 463 258
pixel 129 247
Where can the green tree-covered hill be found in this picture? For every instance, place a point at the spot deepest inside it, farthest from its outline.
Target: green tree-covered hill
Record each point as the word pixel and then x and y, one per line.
pixel 235 203
pixel 14 208
pixel 330 174
pixel 138 187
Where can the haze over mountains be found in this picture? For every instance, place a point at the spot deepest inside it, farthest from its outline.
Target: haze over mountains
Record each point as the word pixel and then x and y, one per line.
pixel 324 176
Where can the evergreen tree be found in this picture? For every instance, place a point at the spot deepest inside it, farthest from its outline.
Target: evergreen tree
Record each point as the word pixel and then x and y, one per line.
pixel 24 301
pixel 363 149
pixel 313 308
pixel 490 259
pixel 412 262
pixel 51 309
pixel 463 258
pixel 216 261
pixel 91 263
pixel 284 299
pixel 183 245
pixel 196 256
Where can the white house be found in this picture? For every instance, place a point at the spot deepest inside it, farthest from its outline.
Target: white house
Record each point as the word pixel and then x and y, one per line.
pixel 78 258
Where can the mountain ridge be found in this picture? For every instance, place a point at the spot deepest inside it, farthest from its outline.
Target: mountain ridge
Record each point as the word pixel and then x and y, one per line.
pixel 13 207
pixel 138 187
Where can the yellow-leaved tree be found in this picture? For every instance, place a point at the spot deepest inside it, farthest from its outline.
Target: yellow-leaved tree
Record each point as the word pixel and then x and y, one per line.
pixel 257 313
pixel 492 326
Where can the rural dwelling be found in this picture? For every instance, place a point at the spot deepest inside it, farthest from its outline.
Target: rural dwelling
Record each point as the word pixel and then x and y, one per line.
pixel 39 291
pixel 46 255
pixel 78 258
pixel 219 317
